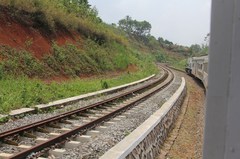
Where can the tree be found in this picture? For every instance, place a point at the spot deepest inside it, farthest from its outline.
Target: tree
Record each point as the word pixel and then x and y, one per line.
pixel 126 25
pixel 207 38
pixel 82 9
pixel 68 2
pixel 78 2
pixel 165 43
pixel 168 42
pixel 194 49
pixel 134 27
pixel 152 42
pixel 161 40
pixel 141 28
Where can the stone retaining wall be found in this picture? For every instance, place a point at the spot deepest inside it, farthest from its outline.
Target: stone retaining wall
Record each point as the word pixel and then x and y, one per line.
pixel 145 141
pixel 149 148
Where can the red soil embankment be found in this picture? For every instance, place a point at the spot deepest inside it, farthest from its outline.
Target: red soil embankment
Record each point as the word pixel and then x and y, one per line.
pixel 36 40
pixel 21 30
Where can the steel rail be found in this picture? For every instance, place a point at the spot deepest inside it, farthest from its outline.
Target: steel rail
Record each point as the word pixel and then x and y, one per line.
pixel 91 124
pixel 44 122
pixel 165 80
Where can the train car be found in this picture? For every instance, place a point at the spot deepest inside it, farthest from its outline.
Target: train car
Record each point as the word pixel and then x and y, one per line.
pixel 198 67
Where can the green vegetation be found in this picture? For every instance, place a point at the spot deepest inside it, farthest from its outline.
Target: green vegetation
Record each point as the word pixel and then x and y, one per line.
pixel 134 27
pixel 200 50
pixel 20 71
pixel 103 48
pixel 173 60
pixel 67 60
pixel 180 64
pixel 25 92
pixel 70 14
pixel 197 50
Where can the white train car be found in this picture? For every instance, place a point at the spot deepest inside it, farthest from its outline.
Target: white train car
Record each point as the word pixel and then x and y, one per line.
pixel 198 67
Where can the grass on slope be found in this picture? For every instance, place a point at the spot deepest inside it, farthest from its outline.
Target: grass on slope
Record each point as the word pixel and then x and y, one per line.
pixel 24 92
pixel 181 64
pixel 164 56
pixel 68 60
pixel 72 16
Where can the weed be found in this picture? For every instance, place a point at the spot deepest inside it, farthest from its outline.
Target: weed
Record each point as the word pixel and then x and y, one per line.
pixel 1 72
pixel 21 92
pixel 24 96
pixel 51 109
pixel 104 84
pixel 101 52
pixel 4 119
pixel 126 133
pixel 28 43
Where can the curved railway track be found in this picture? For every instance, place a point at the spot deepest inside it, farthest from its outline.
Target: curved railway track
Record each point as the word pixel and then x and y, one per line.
pixel 106 109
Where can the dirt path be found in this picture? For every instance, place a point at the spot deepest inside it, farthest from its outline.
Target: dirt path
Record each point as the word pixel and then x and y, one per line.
pixel 186 139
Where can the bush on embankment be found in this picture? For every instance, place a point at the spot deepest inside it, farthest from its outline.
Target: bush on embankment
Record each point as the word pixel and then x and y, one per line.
pixel 25 92
pixel 68 60
pixel 102 49
pixel 72 16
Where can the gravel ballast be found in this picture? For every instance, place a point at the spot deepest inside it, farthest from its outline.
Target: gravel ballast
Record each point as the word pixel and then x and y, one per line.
pixel 31 118
pixel 115 133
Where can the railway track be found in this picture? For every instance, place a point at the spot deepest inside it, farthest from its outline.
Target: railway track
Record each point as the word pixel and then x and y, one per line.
pixel 61 129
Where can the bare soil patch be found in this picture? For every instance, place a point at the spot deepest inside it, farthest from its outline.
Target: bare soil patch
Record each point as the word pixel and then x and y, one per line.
pixel 36 40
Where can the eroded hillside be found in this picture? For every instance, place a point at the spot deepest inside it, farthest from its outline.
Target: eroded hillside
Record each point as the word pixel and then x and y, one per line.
pixel 24 33
pixel 62 40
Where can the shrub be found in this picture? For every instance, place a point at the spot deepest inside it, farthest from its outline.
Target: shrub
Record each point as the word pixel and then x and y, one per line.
pixel 1 72
pixel 104 85
pixel 79 17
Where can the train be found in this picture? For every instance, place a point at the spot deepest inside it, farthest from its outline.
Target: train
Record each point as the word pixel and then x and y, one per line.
pixel 198 67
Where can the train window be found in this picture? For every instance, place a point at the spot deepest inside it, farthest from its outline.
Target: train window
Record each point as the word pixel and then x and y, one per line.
pixel 200 66
pixel 205 67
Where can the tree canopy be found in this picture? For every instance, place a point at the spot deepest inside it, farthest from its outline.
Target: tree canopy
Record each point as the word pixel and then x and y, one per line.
pixel 78 2
pixel 134 27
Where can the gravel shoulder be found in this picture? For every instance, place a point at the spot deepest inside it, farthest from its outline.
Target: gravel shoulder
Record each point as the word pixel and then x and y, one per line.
pixel 115 133
pixel 186 139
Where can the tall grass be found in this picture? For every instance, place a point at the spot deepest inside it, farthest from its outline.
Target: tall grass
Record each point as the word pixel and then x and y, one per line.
pixel 24 92
pixel 180 64
pixel 73 17
pixel 176 61
pixel 104 49
pixel 69 60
